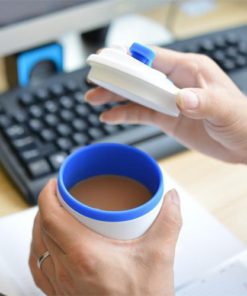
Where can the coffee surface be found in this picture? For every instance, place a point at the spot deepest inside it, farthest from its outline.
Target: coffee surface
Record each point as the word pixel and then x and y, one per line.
pixel 111 193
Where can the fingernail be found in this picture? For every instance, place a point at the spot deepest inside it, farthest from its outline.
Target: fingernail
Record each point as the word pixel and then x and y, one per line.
pixel 90 93
pixel 86 97
pixel 102 118
pixel 187 100
pixel 174 197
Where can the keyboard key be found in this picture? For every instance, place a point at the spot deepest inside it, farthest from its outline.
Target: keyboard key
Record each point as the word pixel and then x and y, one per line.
pixel 95 133
pixel 42 94
pixel 36 125
pixel 80 138
pixel 48 148
pixel 20 117
pixel 64 130
pixel 79 97
pixel 24 143
pixel 228 65
pixel 48 135
pixel 82 110
pixel 241 61
pixel 57 90
pixel 57 159
pixel 64 143
pixel 67 115
pixel 94 120
pixel 39 168
pixel 51 120
pixel 71 86
pixel 232 52
pixel 79 124
pixel 66 102
pixel 15 131
pixel 5 121
pixel 30 155
pixel 51 106
pixel 219 41
pixel 207 45
pixel 36 111
pixel 219 56
pixel 26 99
pixel 242 48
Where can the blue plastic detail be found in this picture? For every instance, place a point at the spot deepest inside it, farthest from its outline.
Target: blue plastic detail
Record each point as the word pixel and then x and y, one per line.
pixel 110 159
pixel 142 53
pixel 26 61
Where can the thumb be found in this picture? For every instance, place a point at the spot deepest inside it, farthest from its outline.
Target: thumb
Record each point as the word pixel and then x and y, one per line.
pixel 197 103
pixel 168 224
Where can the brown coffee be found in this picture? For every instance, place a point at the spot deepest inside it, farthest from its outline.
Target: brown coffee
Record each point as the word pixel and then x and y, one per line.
pixel 111 192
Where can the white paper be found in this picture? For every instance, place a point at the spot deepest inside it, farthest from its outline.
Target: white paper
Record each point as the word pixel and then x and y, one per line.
pixel 8 284
pixel 203 244
pixel 15 238
pixel 228 279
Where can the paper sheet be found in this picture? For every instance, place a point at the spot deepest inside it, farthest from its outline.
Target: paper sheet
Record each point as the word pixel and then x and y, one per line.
pixel 228 279
pixel 8 284
pixel 203 244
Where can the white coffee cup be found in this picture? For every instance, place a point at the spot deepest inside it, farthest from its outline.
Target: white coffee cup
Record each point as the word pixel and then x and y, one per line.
pixel 112 159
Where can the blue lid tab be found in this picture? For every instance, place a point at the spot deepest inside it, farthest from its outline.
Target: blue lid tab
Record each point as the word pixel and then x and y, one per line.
pixel 142 53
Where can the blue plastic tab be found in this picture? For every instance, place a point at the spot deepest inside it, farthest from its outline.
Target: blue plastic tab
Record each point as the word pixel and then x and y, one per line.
pixel 142 53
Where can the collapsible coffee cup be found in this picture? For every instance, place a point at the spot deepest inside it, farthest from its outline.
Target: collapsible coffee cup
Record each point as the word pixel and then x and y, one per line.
pixel 112 159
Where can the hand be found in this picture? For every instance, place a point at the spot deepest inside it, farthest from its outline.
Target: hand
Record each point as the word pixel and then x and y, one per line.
pixel 213 116
pixel 82 262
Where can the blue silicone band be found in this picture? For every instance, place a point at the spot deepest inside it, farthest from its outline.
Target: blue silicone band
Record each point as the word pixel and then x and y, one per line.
pixel 110 159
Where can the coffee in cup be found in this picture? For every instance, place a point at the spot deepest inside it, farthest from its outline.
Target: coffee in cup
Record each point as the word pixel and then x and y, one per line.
pixel 111 193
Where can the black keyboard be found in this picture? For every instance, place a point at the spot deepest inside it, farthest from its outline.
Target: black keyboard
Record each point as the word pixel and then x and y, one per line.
pixel 40 126
pixel 228 48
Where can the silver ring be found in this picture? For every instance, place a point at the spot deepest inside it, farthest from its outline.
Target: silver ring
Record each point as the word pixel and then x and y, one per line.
pixel 42 258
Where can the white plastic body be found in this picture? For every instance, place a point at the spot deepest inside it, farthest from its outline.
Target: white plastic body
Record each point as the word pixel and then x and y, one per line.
pixel 123 230
pixel 120 73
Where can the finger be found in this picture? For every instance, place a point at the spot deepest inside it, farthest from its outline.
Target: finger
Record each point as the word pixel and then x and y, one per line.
pixel 37 249
pixel 187 69
pixel 64 229
pixel 99 95
pixel 54 249
pixel 199 103
pixel 40 280
pixel 131 113
pixel 167 226
pixel 167 60
pixel 60 263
